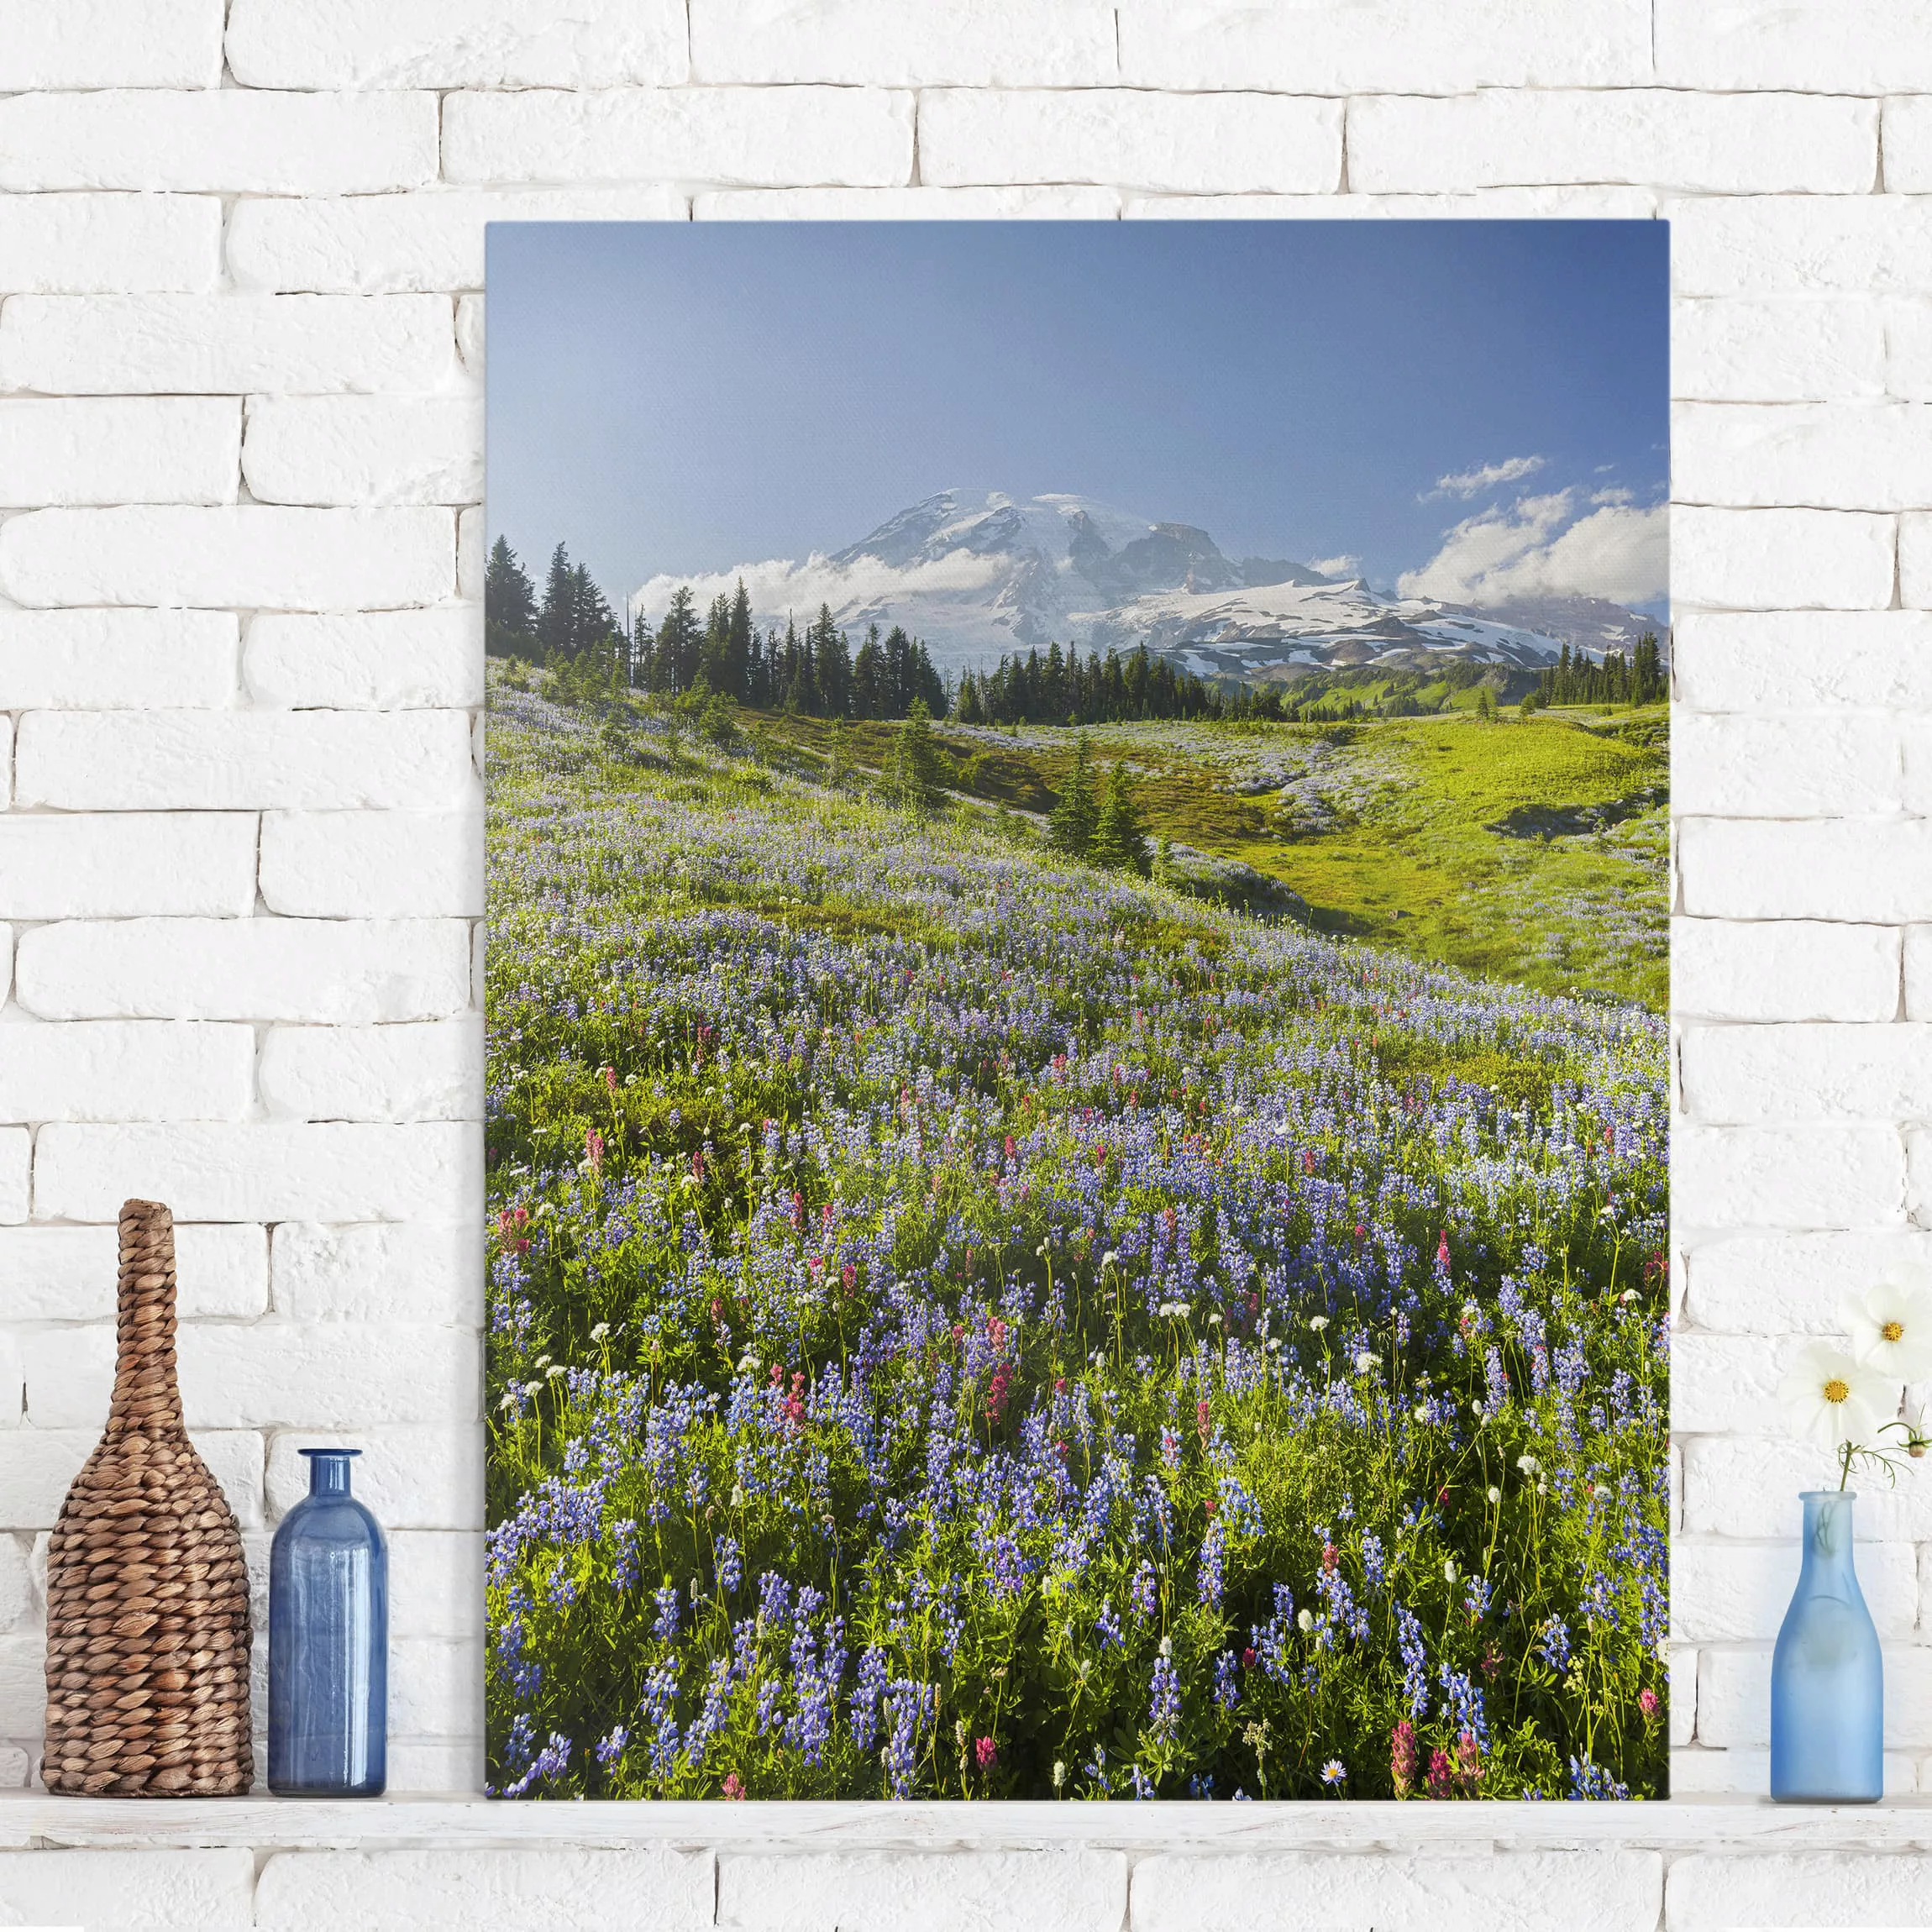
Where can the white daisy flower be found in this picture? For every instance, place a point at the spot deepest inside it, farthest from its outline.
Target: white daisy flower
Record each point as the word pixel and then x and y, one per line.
pixel 1891 1328
pixel 1834 1400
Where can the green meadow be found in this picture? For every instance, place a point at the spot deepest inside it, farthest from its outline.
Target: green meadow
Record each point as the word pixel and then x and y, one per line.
pixel 1533 850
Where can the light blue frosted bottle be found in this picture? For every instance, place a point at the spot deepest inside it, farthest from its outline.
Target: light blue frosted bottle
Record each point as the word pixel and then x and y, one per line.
pixel 327 1642
pixel 1827 1674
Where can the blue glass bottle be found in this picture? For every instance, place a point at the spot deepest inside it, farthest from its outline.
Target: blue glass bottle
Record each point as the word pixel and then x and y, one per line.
pixel 327 1642
pixel 1827 1675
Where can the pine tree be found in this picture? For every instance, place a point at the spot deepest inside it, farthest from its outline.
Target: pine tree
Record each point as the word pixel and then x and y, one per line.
pixel 868 677
pixel 1070 824
pixel 915 769
pixel 559 595
pixel 838 758
pixel 737 680
pixel 678 636
pixel 509 603
pixel 1120 841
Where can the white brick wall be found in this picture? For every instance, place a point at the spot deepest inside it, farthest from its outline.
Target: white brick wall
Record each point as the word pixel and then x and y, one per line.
pixel 240 436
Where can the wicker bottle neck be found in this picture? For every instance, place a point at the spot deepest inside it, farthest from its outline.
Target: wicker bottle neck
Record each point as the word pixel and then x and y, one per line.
pixel 147 1397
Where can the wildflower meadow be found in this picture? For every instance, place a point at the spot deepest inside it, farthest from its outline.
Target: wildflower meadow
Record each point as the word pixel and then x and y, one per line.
pixel 967 1324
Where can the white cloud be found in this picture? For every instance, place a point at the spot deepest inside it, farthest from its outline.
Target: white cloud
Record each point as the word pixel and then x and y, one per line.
pixel 1539 547
pixel 1486 476
pixel 1342 566
pixel 781 584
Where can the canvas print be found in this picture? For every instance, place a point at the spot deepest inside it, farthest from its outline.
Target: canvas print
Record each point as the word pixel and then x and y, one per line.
pixel 1076 970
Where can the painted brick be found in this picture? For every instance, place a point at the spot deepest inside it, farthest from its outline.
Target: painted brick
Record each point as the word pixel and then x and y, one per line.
pixel 1785 349
pixel 1803 767
pixel 1724 143
pixel 88 244
pixel 974 44
pixel 110 44
pixel 1781 559
pixel 121 1070
pixel 115 761
pixel 319 971
pixel 1918 973
pixel 116 659
pixel 22 1703
pixel 259 1171
pixel 1751 1073
pixel 1834 456
pixel 1816 1177
pixel 113 450
pixel 412 1475
pixel 1864 245
pixel 431 1070
pixel 68 1274
pixel 210 1891
pixel 1753 1283
pixel 1029 203
pixel 17 1588
pixel 469 554
pixel 434 1766
pixel 436 1583
pixel 1908 349
pixel 1727 1384
pixel 1410 47
pixel 1769 1887
pixel 1915 561
pixel 470 333
pixel 381 660
pixel 274 559
pixel 1117 136
pixel 41 1463
pixel 1067 1887
pixel 365 449
pixel 224 344
pixel 69 866
pixel 457 43
pixel 1919 1175
pixel 755 137
pixel 382 864
pixel 386 244
pixel 423 1271
pixel 1878 869
pixel 226 139
pixel 12 1377
pixel 1909 121
pixel 335 1374
pixel 1737 1772
pixel 1591 202
pixel 1743 1489
pixel 1857 47
pixel 1733 1592
pixel 1797 660
pixel 1600 1890
pixel 16 1166
pixel 573 1889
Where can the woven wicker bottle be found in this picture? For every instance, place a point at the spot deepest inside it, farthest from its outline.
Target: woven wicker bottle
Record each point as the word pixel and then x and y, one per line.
pixel 147 1589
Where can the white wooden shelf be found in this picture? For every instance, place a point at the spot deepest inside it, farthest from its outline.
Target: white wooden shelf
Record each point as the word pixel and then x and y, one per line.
pixel 32 1819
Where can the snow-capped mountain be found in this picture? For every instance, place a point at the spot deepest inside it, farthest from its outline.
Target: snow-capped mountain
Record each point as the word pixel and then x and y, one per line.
pixel 977 576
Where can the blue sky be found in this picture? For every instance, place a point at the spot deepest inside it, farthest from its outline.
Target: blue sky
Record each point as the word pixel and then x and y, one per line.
pixel 1468 408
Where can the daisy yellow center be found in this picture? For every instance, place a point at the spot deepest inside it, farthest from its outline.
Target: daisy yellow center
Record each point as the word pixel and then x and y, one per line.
pixel 1836 1390
pixel 1892 1331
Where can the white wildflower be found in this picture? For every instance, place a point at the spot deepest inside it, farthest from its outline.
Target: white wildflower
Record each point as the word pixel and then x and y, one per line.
pixel 1891 1328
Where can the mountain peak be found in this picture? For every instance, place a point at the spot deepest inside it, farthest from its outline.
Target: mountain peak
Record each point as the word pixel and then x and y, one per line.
pixel 978 574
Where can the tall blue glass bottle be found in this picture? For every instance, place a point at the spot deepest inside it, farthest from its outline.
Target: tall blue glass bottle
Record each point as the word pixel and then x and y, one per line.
pixel 327 1642
pixel 1827 1675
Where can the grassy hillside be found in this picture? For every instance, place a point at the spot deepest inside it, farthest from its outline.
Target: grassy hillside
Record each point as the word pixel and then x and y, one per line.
pixel 963 1323
pixel 1530 850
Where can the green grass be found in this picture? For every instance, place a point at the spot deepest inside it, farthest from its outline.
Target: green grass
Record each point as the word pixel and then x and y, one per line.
pixel 1532 850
